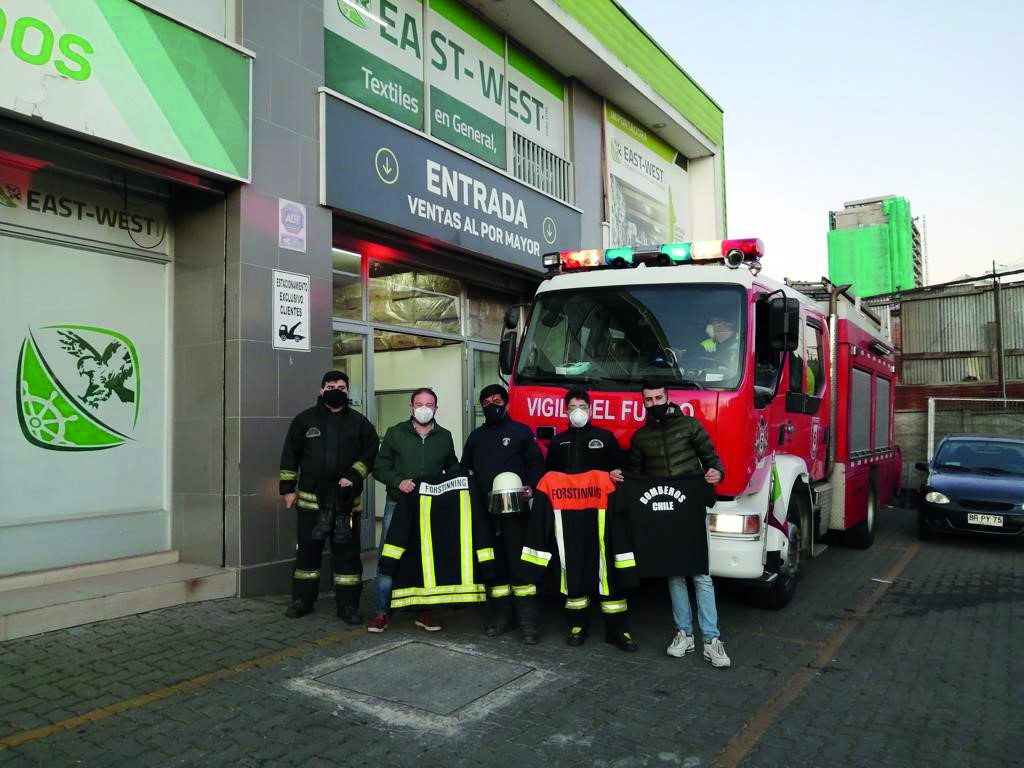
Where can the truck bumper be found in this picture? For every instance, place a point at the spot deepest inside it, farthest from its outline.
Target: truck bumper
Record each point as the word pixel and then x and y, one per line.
pixel 733 557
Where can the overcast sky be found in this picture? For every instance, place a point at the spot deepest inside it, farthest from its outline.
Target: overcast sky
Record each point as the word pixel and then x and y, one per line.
pixel 832 101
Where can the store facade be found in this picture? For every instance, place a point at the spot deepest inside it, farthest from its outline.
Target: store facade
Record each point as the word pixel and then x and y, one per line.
pixel 116 160
pixel 405 165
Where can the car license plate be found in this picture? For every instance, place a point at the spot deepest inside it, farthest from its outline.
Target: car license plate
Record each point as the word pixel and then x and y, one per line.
pixel 993 520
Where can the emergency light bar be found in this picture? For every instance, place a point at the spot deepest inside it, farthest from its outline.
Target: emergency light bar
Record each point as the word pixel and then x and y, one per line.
pixel 731 253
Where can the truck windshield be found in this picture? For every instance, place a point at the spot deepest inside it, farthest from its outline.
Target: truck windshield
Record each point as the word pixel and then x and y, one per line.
pixel 614 338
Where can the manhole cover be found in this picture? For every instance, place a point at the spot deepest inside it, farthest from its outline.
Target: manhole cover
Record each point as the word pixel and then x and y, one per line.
pixel 426 676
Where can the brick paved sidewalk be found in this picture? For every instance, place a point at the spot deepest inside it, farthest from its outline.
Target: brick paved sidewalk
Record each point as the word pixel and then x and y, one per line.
pixel 915 682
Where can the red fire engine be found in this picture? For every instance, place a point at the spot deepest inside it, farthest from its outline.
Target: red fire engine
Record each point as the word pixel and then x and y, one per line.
pixel 793 382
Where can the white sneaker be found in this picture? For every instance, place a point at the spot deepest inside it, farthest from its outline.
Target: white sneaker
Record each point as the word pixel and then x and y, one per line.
pixel 682 644
pixel 714 652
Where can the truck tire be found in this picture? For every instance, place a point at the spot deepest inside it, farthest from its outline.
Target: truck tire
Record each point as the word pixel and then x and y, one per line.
pixel 862 535
pixel 780 592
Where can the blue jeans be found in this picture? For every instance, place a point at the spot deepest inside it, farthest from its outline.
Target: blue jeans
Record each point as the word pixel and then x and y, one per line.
pixel 383 581
pixel 707 612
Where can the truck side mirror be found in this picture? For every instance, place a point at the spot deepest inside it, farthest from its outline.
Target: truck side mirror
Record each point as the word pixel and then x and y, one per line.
pixel 784 323
pixel 512 318
pixel 507 351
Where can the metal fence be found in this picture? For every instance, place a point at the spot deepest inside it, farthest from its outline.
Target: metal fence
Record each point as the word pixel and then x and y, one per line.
pixel 539 168
pixel 976 416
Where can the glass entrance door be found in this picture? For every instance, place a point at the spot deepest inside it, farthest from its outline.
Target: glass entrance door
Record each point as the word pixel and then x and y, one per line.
pixel 349 355
pixel 481 370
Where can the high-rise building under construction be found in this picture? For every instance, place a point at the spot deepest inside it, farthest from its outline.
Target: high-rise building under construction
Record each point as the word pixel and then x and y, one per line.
pixel 876 245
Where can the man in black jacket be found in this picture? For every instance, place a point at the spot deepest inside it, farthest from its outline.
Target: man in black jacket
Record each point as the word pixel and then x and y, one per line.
pixel 327 454
pixel 502 445
pixel 583 446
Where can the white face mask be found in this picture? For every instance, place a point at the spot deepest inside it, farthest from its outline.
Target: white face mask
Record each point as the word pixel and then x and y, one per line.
pixel 578 417
pixel 710 331
pixel 424 414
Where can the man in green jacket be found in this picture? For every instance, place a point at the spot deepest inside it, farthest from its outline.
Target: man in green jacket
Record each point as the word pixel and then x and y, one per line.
pixel 669 444
pixel 413 448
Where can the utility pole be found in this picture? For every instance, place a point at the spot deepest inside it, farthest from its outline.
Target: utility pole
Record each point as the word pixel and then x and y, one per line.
pixel 996 300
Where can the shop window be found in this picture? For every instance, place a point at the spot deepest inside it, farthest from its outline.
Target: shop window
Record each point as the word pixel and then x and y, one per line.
pixel 402 295
pixel 485 312
pixel 348 285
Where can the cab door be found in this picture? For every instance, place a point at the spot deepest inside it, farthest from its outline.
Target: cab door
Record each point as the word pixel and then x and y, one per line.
pixel 803 432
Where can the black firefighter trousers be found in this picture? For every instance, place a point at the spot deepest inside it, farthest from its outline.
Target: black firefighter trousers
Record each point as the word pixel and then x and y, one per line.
pixel 509 596
pixel 345 560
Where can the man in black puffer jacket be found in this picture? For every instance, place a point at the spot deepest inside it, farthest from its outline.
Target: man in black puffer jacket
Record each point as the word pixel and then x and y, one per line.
pixel 671 444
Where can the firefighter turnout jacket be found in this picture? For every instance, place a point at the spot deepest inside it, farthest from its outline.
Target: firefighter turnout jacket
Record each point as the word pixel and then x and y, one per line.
pixel 438 547
pixel 571 515
pixel 321 448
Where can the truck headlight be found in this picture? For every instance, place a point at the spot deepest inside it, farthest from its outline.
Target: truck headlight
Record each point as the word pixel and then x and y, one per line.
pixel 731 523
pixel 934 497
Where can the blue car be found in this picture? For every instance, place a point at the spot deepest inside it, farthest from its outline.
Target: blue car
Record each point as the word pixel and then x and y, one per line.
pixel 975 484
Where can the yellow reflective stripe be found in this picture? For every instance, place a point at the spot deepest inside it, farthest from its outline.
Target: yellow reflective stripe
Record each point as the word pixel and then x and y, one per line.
pixel 524 590
pixel 534 555
pixel 541 561
pixel 306 574
pixel 602 564
pixel 560 541
pixel 460 589
pixel 426 544
pixel 466 537
pixel 709 345
pixel 613 606
pixel 360 468
pixel 288 474
pixel 403 602
pixel 347 578
pixel 625 563
pixel 578 603
pixel 485 554
pixel 303 504
pixel 503 590
pixel 307 495
pixel 390 550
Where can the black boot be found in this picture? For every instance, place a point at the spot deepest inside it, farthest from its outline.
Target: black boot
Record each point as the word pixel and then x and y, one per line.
pixel 350 614
pixel 529 634
pixel 502 617
pixel 622 640
pixel 298 608
pixel 576 637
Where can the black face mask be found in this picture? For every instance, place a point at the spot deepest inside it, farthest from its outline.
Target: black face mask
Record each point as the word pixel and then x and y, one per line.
pixel 494 414
pixel 658 412
pixel 335 398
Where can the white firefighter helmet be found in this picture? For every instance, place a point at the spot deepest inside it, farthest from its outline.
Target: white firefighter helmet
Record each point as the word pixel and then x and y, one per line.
pixel 508 495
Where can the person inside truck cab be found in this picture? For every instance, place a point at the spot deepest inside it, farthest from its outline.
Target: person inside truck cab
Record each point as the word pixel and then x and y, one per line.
pixel 720 349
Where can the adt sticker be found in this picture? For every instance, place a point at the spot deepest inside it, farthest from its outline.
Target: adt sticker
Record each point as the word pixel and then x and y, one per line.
pixel 291 228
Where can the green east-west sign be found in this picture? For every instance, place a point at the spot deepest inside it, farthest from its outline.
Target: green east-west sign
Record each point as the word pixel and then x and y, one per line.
pixel 436 66
pixel 68 397
pixel 117 71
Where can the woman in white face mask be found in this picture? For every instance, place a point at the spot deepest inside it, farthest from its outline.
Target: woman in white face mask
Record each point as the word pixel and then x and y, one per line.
pixel 583 446
pixel 413 448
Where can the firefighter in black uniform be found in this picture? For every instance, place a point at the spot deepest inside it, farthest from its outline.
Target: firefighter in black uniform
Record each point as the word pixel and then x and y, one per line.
pixel 502 445
pixel 327 454
pixel 581 448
